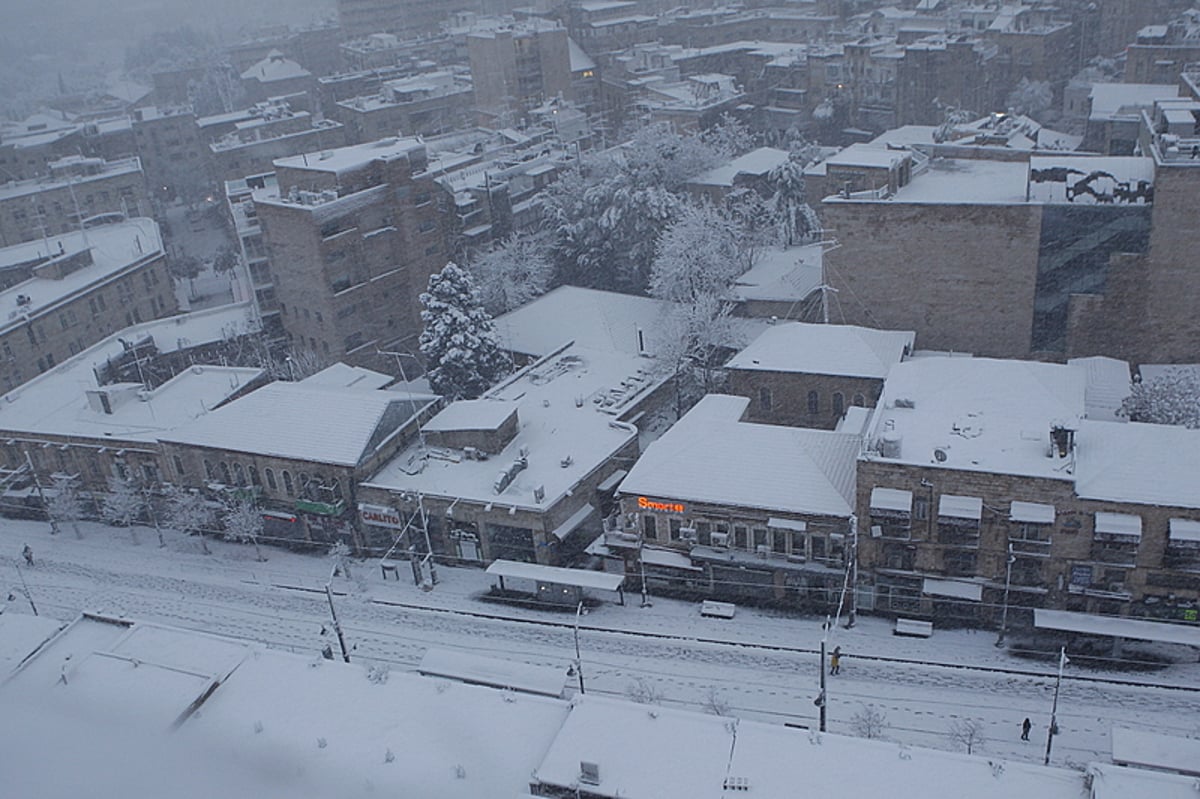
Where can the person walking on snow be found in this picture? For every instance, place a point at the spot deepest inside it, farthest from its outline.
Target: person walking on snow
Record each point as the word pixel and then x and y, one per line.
pixel 27 553
pixel 835 660
pixel 1026 726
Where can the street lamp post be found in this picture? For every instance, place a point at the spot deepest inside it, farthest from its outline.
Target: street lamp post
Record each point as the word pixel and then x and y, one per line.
pixel 1007 583
pixel 578 658
pixel 337 626
pixel 853 617
pixel 1053 730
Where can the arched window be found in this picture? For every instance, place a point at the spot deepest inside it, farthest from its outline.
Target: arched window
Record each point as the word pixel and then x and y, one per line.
pixel 839 403
pixel 860 401
pixel 288 487
pixel 209 473
pixel 239 474
pixel 270 473
pixel 814 403
pixel 226 478
pixel 254 481
pixel 179 470
pixel 337 489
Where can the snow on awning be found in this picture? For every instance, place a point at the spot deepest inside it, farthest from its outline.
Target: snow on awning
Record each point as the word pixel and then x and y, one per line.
pixel 956 507
pixel 652 556
pixel 891 499
pixel 577 518
pixel 972 592
pixel 1184 531
pixel 1031 512
pixel 786 524
pixel 612 481
pixel 1119 524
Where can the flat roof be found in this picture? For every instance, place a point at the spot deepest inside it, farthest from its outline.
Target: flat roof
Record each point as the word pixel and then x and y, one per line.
pixel 1144 464
pixel 844 350
pixel 345 159
pixel 756 162
pixel 477 414
pixel 469 667
pixel 19 188
pixel 711 456
pixel 1126 99
pixel 1119 627
pixel 113 248
pixel 782 274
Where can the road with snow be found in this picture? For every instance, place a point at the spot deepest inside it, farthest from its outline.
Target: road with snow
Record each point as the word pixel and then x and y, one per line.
pixel 759 665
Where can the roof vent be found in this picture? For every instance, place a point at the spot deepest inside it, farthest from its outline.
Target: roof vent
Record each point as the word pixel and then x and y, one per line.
pixel 589 773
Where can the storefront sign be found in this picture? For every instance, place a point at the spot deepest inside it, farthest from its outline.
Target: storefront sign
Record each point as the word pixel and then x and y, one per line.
pixel 380 516
pixel 669 507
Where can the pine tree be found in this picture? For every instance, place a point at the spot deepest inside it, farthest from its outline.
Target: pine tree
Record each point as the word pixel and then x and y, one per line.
pixel 459 342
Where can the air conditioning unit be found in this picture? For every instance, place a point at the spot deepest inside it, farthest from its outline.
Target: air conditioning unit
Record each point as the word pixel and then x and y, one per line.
pixel 762 550
pixel 688 533
pixel 589 773
pixel 720 540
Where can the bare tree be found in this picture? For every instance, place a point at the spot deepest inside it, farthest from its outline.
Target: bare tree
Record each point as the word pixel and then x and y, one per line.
pixel 244 523
pixel 716 703
pixel 122 505
pixel 643 692
pixel 65 505
pixel 340 554
pixel 870 722
pixel 189 512
pixel 968 733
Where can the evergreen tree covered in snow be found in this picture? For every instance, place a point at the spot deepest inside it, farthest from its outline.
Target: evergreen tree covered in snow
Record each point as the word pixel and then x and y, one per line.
pixel 459 342
pixel 792 214
pixel 514 272
pixel 1173 398
pixel 1031 97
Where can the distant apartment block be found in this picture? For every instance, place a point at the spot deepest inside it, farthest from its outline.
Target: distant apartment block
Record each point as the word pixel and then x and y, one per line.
pixel 66 292
pixel 76 190
pixel 353 235
pixel 519 66
pixel 421 105
pixel 255 142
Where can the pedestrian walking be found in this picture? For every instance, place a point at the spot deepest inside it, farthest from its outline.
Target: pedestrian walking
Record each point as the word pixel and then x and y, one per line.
pixel 1026 726
pixel 27 553
pixel 835 660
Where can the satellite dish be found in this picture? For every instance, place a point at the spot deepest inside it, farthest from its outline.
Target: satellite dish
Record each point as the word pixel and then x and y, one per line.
pixel 940 455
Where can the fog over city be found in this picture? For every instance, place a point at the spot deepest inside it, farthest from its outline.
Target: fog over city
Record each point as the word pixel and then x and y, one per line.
pixel 600 398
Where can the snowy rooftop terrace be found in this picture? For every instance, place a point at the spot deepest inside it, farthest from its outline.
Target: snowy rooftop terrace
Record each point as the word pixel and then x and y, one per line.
pixel 55 402
pixel 567 406
pixel 844 350
pixel 113 248
pixel 99 170
pixel 347 159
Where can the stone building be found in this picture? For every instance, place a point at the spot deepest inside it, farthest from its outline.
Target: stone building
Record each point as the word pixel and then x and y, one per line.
pixel 984 483
pixel 173 155
pixel 353 235
pixel 419 105
pixel 64 293
pixel 76 189
pixel 726 508
pixel 516 68
pixel 276 76
pixel 299 449
pixel 807 375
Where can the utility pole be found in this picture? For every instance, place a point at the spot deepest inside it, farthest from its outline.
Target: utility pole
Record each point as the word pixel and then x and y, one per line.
pixel 821 701
pixel 578 658
pixel 41 494
pixel 1007 583
pixel 1050 733
pixel 25 588
pixel 642 568
pixel 850 621
pixel 337 627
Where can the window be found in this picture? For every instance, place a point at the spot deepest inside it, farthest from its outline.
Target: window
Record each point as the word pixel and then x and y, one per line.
pixel 921 508
pixel 675 526
pixel 650 526
pixel 179 470
pixel 704 533
pixel 817 542
pixel 839 403
pixel 814 403
pixel 288 487
pixel 764 398
pixel 239 474
pixel 779 542
pixel 226 478
pixel 254 481
pixel 860 401
pixel 740 536
pixel 269 473
pixel 209 473
pixel 760 537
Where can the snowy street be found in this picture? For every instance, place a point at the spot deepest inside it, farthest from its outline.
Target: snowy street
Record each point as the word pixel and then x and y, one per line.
pixel 760 665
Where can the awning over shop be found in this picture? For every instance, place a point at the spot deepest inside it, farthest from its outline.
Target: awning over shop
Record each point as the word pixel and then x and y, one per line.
pixel 892 499
pixel 652 556
pixel 786 524
pixel 955 507
pixel 1120 524
pixel 577 518
pixel 1184 531
pixel 972 592
pixel 1031 513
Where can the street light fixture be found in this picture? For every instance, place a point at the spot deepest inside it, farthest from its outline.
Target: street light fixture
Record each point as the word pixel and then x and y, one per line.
pixel 1053 730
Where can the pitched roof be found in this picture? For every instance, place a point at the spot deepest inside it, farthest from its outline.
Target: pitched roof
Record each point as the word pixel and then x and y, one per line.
pixel 711 456
pixel 805 348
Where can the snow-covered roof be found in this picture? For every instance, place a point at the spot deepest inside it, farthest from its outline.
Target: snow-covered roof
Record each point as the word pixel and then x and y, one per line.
pixel 1110 100
pixel 497 672
pixel 845 350
pixel 782 274
pixel 868 155
pixel 1143 464
pixel 1121 782
pixel 98 169
pixel 343 375
pixel 1133 629
pixel 757 162
pixel 275 67
pixel 356 156
pixel 580 60
pixel 567 404
pixel 477 414
pixel 1154 750
pixel 976 181
pixel 20 637
pixel 1108 384
pixel 981 414
pixel 711 456
pixel 337 426
pixel 113 248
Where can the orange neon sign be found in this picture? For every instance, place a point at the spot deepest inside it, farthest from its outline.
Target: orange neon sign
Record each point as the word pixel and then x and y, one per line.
pixel 670 507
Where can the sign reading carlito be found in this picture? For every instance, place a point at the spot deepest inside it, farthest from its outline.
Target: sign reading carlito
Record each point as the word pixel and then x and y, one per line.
pixel 380 516
pixel 652 504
